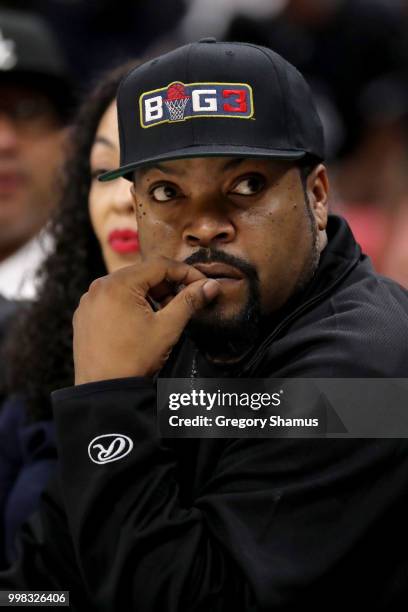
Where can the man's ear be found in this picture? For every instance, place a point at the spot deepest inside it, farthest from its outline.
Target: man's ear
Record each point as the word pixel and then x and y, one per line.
pixel 317 188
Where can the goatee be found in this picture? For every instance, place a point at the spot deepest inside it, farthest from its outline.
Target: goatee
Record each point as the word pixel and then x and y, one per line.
pixel 227 339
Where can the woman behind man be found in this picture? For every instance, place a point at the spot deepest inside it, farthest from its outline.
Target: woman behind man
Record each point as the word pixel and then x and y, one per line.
pixel 95 232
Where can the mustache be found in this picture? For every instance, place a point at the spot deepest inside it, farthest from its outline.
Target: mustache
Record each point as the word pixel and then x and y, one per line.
pixel 212 255
pixel 159 297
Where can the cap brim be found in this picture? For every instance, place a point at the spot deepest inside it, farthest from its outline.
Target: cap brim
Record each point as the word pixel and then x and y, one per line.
pixel 204 151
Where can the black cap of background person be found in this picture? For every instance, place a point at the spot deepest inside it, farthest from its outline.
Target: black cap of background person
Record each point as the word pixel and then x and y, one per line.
pixel 216 99
pixel 30 54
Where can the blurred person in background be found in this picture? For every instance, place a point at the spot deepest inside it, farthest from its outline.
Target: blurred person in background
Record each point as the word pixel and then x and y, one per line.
pixel 94 232
pixel 97 35
pixel 36 99
pixel 7 311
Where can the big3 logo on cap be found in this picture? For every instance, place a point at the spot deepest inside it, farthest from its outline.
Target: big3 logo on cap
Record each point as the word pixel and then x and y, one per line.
pixel 180 101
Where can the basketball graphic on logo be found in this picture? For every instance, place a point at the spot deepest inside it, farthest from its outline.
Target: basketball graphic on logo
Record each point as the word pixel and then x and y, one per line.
pixel 176 91
pixel 176 101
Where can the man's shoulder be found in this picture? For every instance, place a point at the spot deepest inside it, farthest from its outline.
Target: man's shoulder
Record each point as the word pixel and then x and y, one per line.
pixel 376 307
pixel 361 329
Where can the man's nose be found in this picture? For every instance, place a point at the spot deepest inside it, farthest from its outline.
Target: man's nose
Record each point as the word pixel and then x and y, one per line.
pixel 209 226
pixel 122 199
pixel 8 134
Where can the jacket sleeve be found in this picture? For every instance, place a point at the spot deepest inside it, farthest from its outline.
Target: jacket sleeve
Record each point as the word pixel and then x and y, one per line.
pixel 10 463
pixel 46 559
pixel 278 523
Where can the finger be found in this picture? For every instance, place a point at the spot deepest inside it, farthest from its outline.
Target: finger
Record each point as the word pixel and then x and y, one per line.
pixel 163 290
pixel 168 288
pixel 158 277
pixel 186 303
pixel 165 273
pixel 162 303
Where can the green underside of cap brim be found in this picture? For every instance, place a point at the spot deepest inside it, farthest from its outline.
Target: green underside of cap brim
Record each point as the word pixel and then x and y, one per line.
pixel 203 151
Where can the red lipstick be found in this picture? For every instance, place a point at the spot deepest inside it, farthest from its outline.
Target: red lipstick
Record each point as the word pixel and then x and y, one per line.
pixel 124 241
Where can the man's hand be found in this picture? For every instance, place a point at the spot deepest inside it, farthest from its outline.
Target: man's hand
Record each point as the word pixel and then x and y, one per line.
pixel 116 331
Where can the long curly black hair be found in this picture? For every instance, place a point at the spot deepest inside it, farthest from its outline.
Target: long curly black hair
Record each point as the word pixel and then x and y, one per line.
pixel 39 348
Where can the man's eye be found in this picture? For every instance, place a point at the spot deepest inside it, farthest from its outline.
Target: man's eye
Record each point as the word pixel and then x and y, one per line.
pixel 249 185
pixel 163 193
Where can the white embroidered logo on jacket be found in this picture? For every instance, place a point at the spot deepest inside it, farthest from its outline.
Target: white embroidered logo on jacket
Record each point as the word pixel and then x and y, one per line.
pixel 109 447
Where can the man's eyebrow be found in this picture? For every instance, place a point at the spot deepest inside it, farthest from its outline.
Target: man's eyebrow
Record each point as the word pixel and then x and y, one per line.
pixel 231 163
pixel 104 140
pixel 162 167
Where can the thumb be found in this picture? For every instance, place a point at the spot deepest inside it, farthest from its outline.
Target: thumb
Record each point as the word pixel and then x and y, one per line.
pixel 187 302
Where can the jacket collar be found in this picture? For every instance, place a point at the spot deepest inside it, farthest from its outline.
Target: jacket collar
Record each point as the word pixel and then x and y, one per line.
pixel 340 256
pixel 337 261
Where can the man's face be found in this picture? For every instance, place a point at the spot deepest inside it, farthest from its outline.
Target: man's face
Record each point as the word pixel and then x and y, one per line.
pixel 243 221
pixel 30 151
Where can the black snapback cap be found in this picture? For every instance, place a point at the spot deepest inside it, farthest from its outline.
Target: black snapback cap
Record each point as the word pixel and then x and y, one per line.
pixel 215 99
pixel 28 45
pixel 30 54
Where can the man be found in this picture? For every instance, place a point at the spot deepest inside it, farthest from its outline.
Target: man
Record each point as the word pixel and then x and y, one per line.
pixel 35 101
pixel 243 276
pixel 7 310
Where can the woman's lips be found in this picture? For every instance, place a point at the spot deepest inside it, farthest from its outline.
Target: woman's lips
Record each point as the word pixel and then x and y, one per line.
pixel 124 241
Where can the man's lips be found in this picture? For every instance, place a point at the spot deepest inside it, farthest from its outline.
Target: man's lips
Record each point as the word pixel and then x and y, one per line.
pixel 124 241
pixel 219 271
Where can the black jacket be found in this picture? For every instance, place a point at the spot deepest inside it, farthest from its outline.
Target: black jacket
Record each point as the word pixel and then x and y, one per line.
pixel 240 524
pixel 8 309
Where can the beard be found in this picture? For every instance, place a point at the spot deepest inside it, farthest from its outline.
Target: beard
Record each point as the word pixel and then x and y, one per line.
pixel 220 337
pixel 228 339
pixel 313 259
